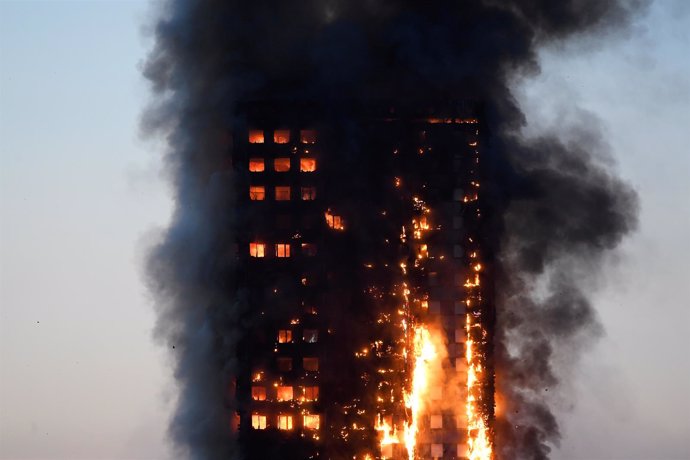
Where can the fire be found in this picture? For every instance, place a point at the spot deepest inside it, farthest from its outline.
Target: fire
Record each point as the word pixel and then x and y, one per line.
pixel 423 352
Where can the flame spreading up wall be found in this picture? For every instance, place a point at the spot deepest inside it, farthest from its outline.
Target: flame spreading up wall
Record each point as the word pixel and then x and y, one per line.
pixel 555 208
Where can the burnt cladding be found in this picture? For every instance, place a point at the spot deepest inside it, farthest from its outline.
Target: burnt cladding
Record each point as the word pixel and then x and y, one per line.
pixel 321 201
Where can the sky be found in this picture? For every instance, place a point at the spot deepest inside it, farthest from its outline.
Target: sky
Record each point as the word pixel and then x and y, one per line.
pixel 81 193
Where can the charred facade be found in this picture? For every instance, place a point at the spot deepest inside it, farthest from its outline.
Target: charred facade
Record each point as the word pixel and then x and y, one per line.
pixel 368 285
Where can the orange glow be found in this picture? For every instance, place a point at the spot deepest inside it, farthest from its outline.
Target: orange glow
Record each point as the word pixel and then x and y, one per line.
pixel 285 422
pixel 307 164
pixel 310 364
pixel 310 394
pixel 308 193
pixel 257 249
pixel 284 336
pixel 284 393
pixel 281 136
pixel 308 136
pixel 281 164
pixel 387 434
pixel 256 165
pixel 283 250
pixel 257 192
pixel 258 422
pixel 259 393
pixel 311 421
pixel 334 221
pixel 282 193
pixel 256 136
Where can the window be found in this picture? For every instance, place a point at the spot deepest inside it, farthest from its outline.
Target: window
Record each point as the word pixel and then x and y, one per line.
pixel 335 222
pixel 308 136
pixel 281 164
pixel 310 335
pixel 437 450
pixel 311 421
pixel 436 393
pixel 307 164
pixel 310 364
pixel 460 336
pixel 435 307
pixel 310 394
pixel 436 422
pixel 257 192
pixel 256 165
pixel 256 136
pixel 285 422
pixel 282 250
pixel 258 422
pixel 284 393
pixel 259 393
pixel 309 249
pixel 282 193
pixel 257 249
pixel 308 193
pixel 284 336
pixel 460 307
pixel 281 136
pixel 285 364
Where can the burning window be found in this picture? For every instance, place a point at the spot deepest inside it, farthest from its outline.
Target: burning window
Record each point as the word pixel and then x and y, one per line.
pixel 283 250
pixel 256 165
pixel 334 221
pixel 311 421
pixel 285 422
pixel 257 192
pixel 284 393
pixel 308 136
pixel 307 164
pixel 281 164
pixel 259 393
pixel 310 393
pixel 436 422
pixel 256 136
pixel 284 336
pixel 310 364
pixel 281 136
pixel 285 364
pixel 258 422
pixel 437 450
pixel 282 193
pixel 309 249
pixel 257 249
pixel 310 335
pixel 308 193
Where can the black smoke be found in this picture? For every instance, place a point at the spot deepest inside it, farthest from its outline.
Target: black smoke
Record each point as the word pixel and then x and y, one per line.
pixel 555 208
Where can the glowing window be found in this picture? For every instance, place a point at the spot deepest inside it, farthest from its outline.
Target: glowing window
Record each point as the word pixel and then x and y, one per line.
pixel 311 393
pixel 259 393
pixel 284 336
pixel 258 422
pixel 285 422
pixel 257 192
pixel 256 136
pixel 436 393
pixel 308 193
pixel 282 193
pixel 257 249
pixel 256 165
pixel 310 335
pixel 311 421
pixel 281 136
pixel 309 249
pixel 335 222
pixel 437 450
pixel 436 422
pixel 308 136
pixel 285 364
pixel 310 364
pixel 282 250
pixel 281 164
pixel 285 394
pixel 307 164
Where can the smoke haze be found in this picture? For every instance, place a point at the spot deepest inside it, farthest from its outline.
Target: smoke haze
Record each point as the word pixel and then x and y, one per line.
pixel 556 207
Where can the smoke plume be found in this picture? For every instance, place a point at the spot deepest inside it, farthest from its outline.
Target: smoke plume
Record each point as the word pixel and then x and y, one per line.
pixel 555 208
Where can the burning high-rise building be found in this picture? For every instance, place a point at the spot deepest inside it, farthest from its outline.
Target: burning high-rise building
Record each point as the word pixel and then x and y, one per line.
pixel 359 265
pixel 368 326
